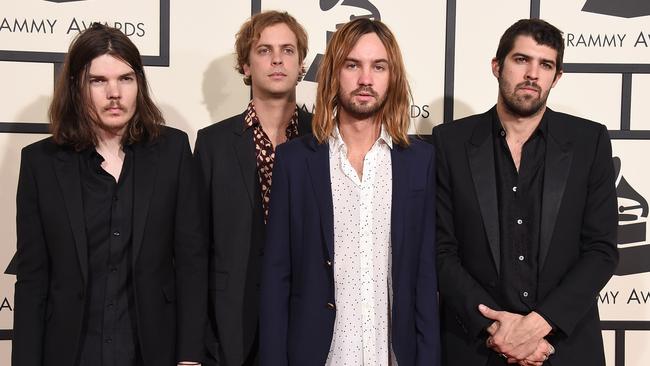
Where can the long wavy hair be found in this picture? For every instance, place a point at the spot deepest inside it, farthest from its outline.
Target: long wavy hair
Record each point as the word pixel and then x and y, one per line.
pixel 73 119
pixel 394 113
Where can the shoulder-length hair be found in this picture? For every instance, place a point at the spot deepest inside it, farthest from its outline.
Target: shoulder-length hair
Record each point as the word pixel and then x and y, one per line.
pixel 73 118
pixel 395 113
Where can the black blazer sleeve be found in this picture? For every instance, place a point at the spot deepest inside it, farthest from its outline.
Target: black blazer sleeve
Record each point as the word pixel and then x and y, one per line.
pixel 567 304
pixel 190 260
pixel 31 292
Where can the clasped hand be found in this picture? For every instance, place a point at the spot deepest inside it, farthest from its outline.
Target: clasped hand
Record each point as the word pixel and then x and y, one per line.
pixel 518 338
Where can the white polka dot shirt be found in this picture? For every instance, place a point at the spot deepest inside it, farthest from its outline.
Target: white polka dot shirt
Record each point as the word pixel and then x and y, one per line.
pixel 362 255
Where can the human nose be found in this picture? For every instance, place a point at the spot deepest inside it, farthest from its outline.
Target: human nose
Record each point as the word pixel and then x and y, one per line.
pixel 113 90
pixel 532 72
pixel 276 58
pixel 365 77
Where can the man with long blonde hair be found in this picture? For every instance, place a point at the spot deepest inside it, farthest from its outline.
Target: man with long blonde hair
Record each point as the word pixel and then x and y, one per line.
pixel 349 275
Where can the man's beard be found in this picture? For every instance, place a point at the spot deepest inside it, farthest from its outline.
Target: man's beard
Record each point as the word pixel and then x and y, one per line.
pixel 361 111
pixel 522 106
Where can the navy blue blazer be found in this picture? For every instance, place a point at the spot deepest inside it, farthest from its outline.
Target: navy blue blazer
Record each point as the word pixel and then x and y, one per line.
pixel 298 306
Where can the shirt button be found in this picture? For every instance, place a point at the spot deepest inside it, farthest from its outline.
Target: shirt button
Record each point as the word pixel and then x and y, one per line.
pixel 514 189
pixel 331 306
pixel 521 257
pixel 503 133
pixel 108 340
pixel 328 263
pixel 113 269
pixel 525 294
pixel 520 221
pixel 116 233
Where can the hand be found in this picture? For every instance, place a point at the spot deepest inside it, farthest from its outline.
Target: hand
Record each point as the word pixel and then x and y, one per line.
pixel 542 353
pixel 515 335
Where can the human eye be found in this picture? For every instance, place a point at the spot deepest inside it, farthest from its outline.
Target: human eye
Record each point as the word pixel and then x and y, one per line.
pixel 263 50
pixel 520 59
pixel 380 67
pixel 350 65
pixel 289 50
pixel 96 81
pixel 547 65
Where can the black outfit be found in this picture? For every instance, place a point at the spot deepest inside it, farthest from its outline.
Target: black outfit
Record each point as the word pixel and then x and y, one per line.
pixel 576 251
pixel 90 262
pixel 520 204
pixel 226 154
pixel 109 336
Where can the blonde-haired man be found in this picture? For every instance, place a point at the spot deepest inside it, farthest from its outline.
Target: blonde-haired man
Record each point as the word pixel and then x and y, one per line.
pixel 236 157
pixel 349 275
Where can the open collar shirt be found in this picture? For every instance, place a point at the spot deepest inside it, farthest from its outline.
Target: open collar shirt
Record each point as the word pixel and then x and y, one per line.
pixel 362 260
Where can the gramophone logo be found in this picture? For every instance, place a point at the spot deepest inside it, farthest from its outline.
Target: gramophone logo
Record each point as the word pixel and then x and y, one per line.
pixel 633 247
pixel 618 8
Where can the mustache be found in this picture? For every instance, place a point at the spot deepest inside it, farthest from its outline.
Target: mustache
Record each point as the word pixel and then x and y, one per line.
pixel 365 90
pixel 529 84
pixel 114 104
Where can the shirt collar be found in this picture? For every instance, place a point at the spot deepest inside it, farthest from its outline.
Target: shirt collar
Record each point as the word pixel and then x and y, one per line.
pixel 498 130
pixel 336 141
pixel 251 119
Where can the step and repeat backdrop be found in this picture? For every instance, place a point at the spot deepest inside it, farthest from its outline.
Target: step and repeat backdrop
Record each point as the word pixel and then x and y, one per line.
pixel 447 47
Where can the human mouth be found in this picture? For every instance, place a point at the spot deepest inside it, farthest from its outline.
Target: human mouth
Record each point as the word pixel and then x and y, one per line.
pixel 277 75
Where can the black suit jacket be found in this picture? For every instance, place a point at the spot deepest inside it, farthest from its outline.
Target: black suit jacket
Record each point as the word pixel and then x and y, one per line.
pixel 577 253
pixel 226 154
pixel 169 254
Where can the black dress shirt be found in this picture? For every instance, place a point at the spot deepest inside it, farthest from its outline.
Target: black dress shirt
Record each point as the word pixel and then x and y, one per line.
pixel 520 203
pixel 110 334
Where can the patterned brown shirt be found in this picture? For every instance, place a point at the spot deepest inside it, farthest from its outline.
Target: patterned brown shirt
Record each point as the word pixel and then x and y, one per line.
pixel 265 153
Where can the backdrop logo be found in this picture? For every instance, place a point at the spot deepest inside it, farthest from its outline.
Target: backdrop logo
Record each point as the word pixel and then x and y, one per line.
pixel 368 10
pixel 41 31
pixel 633 247
pixel 618 8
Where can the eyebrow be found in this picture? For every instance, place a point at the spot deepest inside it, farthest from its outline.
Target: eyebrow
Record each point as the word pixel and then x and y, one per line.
pixel 93 76
pixel 271 46
pixel 379 60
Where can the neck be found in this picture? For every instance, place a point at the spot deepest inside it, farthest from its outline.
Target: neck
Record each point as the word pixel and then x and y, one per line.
pixel 518 127
pixel 358 133
pixel 274 113
pixel 109 142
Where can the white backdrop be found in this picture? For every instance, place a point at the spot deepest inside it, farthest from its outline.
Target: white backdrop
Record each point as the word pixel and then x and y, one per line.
pixel 447 47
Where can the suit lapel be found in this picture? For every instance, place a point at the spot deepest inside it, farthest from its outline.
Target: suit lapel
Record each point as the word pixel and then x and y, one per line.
pixel 400 177
pixel 69 178
pixel 304 122
pixel 556 172
pixel 245 151
pixel 319 171
pixel 145 168
pixel 480 153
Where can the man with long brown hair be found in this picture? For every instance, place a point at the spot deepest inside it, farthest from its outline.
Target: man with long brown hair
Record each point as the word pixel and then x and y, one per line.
pixel 236 157
pixel 349 275
pixel 111 256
